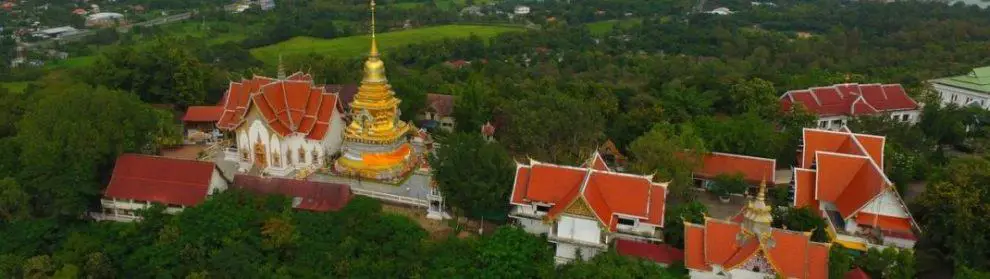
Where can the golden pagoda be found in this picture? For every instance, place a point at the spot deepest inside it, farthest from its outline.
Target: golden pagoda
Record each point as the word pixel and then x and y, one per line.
pixel 757 215
pixel 375 144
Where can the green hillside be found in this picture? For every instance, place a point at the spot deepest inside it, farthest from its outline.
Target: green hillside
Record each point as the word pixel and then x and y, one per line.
pixel 357 45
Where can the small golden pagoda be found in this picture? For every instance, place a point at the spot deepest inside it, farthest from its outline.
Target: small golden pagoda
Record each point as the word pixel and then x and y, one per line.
pixel 375 144
pixel 757 215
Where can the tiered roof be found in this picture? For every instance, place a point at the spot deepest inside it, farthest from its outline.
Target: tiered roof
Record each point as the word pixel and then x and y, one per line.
pixel 605 192
pixel 159 179
pixel 850 99
pixel 726 244
pixel 442 105
pixel 845 169
pixel 290 105
pixel 753 169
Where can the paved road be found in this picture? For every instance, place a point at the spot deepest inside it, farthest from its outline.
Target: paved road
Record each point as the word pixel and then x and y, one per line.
pixel 85 33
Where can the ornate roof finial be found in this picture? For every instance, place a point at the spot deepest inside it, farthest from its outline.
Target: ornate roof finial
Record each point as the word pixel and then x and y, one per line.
pixel 757 215
pixel 281 67
pixel 761 197
pixel 374 43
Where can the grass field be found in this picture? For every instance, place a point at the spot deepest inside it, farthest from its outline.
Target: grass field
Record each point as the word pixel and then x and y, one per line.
pixel 358 45
pixel 602 27
pixel 73 62
pixel 16 86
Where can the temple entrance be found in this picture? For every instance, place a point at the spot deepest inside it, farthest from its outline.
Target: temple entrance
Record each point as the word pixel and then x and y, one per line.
pixel 260 158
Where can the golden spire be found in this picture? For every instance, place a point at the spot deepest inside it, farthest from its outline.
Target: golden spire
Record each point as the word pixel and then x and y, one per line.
pixel 374 69
pixel 374 43
pixel 757 215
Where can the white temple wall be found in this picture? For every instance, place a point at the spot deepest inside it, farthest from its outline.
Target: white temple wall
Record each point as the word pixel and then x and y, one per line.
pixel 887 204
pixel 257 132
pixel 335 136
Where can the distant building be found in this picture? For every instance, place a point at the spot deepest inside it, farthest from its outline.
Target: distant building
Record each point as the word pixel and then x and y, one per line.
pixel 104 19
pixel 521 10
pixel 57 32
pixel 720 11
pixel 836 104
pixel 439 112
pixel 585 209
pixel 754 170
pixel 266 4
pixel 972 89
pixel 200 123
pixel 79 11
pixel 472 10
pixel 138 181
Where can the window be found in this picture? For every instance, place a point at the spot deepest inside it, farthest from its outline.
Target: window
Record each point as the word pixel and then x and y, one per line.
pixel 823 124
pixel 543 208
pixel 627 221
pixel 905 118
pixel 953 98
pixel 837 123
pixel 968 99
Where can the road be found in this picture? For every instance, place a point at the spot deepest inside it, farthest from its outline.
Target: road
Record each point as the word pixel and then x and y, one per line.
pixel 85 33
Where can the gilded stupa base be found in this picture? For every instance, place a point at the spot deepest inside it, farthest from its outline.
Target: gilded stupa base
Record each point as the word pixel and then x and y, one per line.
pixel 387 167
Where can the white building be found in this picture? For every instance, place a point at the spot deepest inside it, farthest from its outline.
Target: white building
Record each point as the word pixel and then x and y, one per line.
pixel 282 125
pixel 104 19
pixel 835 105
pixel 972 89
pixel 584 209
pixel 57 32
pixel 139 181
pixel 521 10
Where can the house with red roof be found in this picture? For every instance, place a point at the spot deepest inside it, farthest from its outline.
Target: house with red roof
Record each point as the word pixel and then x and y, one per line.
pixel 439 112
pixel 281 125
pixel 305 194
pixel 754 170
pixel 750 248
pixel 201 122
pixel 138 181
pixel 836 104
pixel 840 176
pixel 584 209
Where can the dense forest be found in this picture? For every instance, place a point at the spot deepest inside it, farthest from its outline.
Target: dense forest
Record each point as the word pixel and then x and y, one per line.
pixel 661 81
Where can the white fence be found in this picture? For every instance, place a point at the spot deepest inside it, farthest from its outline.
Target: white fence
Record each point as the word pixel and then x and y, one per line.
pixel 391 197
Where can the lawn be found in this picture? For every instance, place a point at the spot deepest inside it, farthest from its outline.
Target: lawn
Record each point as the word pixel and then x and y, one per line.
pixel 73 62
pixel 602 27
pixel 358 45
pixel 15 86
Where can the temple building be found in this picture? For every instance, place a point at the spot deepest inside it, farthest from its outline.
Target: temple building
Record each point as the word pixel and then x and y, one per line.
pixel 281 125
pixel 840 177
pixel 748 247
pixel 835 105
pixel 585 209
pixel 376 144
pixel 971 89
pixel 753 169
pixel 138 181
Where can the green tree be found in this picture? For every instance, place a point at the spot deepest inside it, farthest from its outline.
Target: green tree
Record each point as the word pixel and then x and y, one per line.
pixel 755 96
pixel 669 154
pixel 552 127
pixel 673 228
pixel 514 253
pixel 801 219
pixel 14 202
pixel 888 263
pixel 612 265
pixel 481 190
pixel 951 210
pixel 840 262
pixel 70 138
pixel 163 71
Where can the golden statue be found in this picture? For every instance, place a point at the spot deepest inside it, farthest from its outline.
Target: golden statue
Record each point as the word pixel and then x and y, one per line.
pixel 375 144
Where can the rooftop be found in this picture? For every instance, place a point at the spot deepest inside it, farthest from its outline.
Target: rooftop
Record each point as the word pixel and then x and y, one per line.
pixel 159 179
pixel 290 105
pixel 307 195
pixel 850 99
pixel 976 80
pixel 727 244
pixel 753 169
pixel 203 114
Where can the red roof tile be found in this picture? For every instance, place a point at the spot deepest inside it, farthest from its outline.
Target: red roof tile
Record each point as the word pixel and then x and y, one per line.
pixel 661 253
pixel 312 195
pixel 607 193
pixel 442 105
pixel 288 106
pixel 850 99
pixel 857 273
pixel 884 222
pixel 203 114
pixel 159 179
pixel 597 162
pixel 753 169
pixel 804 189
pixel 726 244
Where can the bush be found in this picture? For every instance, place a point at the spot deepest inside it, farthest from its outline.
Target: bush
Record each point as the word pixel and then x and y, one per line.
pixel 726 184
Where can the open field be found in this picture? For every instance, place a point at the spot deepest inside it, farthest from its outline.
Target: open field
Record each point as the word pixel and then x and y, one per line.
pixel 15 86
pixel 357 45
pixel 602 27
pixel 72 62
